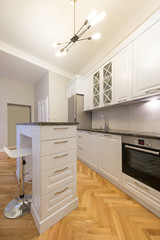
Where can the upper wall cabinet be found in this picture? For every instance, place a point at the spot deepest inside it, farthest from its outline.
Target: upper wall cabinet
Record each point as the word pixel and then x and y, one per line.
pixel 122 74
pixel 88 96
pixel 75 86
pixel 146 63
pixel 107 82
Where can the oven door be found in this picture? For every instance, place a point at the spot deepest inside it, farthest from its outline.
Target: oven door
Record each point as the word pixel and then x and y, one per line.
pixel 142 164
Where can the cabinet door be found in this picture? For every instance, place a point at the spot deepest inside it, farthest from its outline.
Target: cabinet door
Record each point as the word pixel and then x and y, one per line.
pixel 146 62
pixel 88 96
pixel 80 145
pixel 91 149
pixel 122 74
pixel 110 162
pixel 107 84
pixel 96 89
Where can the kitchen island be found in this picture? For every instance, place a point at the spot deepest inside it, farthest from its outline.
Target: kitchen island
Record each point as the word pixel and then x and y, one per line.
pixel 54 181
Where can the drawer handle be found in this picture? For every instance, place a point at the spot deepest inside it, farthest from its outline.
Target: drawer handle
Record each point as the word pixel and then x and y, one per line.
pixel 124 100
pixel 60 142
pixel 61 156
pixel 141 186
pixel 62 128
pixel 79 137
pixel 61 191
pixel 153 90
pixel 80 148
pixel 61 170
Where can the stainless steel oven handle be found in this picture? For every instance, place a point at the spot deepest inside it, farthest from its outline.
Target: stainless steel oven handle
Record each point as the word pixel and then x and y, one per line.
pixel 142 150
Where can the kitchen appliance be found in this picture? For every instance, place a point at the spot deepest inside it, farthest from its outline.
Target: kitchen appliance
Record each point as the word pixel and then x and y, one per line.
pixel 141 160
pixel 76 112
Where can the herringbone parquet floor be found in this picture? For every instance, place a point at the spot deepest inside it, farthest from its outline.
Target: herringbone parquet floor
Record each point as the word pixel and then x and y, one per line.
pixel 104 212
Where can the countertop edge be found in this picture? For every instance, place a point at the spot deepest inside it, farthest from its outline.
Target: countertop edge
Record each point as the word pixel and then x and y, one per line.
pixel 125 133
pixel 48 123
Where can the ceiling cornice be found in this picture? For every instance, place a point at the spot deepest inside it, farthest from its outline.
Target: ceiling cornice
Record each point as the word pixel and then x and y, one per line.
pixel 29 58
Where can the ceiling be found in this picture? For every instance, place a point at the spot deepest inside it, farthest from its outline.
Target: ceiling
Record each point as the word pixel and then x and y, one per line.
pixel 32 26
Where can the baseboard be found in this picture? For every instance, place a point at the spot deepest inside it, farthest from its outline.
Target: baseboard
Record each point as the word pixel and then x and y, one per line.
pixel 48 222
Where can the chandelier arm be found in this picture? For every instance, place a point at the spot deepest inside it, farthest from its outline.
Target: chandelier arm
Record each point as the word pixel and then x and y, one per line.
pixel 89 38
pixel 80 29
pixel 81 34
pixel 62 43
pixel 65 47
pixel 70 46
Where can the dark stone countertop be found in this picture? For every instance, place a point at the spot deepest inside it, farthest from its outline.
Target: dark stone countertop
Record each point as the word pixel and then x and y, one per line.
pixel 126 133
pixel 48 123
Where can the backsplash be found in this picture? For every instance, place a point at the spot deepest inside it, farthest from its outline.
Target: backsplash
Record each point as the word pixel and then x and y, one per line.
pixel 141 117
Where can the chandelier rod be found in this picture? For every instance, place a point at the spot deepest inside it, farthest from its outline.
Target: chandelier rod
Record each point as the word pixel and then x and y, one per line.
pixel 74 18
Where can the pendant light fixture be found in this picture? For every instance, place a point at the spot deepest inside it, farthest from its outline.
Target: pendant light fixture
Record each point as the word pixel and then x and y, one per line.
pixel 92 19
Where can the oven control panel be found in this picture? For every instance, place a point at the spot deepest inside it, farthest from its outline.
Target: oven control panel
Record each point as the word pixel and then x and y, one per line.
pixel 144 142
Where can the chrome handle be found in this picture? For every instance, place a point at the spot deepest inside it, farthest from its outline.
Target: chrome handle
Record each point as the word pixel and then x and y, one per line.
pixel 141 186
pixel 107 135
pixel 61 156
pixel 80 148
pixel 61 170
pixel 60 142
pixel 142 150
pixel 124 100
pixel 62 128
pixel 153 90
pixel 79 137
pixel 61 191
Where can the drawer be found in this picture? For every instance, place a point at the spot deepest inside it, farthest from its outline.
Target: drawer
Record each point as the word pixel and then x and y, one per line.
pixel 58 159
pixel 146 193
pixel 80 154
pixel 56 132
pixel 57 146
pixel 56 200
pixel 58 177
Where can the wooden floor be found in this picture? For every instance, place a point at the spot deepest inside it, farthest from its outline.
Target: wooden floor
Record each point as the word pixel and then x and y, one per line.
pixel 104 212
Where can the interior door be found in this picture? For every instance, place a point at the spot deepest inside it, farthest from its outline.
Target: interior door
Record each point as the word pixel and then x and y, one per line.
pixel 16 114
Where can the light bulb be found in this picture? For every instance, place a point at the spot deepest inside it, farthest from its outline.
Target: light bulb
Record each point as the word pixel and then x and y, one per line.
pixel 91 15
pixel 59 54
pixel 96 36
pixel 98 18
pixel 55 45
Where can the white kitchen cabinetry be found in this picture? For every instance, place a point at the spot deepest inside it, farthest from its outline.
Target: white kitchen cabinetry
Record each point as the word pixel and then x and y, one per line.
pixel 54 171
pixel 88 96
pixel 110 152
pixel 80 145
pixel 146 62
pixel 90 153
pixel 145 194
pixel 75 86
pixel 122 74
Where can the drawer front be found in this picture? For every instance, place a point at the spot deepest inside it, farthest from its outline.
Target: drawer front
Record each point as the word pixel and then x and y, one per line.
pixel 142 191
pixel 57 132
pixel 57 177
pixel 56 200
pixel 57 146
pixel 58 159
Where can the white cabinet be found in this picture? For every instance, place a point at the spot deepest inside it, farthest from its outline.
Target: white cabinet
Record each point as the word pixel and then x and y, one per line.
pixel 75 86
pixel 122 74
pixel 80 145
pixel 110 152
pixel 146 63
pixel 90 154
pixel 88 96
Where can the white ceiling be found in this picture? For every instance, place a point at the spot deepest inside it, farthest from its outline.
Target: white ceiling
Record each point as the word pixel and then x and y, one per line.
pixel 33 25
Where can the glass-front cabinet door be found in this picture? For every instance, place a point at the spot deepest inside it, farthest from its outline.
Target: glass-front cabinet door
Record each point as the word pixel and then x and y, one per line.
pixel 96 89
pixel 107 83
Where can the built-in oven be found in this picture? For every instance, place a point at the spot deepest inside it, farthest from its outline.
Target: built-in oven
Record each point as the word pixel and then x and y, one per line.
pixel 141 160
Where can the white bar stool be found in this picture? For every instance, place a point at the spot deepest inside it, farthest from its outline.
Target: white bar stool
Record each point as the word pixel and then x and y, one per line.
pixel 21 205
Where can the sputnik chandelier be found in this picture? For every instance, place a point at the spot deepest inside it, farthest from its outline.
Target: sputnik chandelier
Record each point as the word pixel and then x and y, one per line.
pixel 92 19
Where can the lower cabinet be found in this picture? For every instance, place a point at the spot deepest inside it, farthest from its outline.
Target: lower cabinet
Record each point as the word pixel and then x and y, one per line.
pixel 90 153
pixel 109 155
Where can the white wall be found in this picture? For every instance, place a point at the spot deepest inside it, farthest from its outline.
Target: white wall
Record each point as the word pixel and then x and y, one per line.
pixel 141 117
pixel 15 92
pixel 41 90
pixel 57 97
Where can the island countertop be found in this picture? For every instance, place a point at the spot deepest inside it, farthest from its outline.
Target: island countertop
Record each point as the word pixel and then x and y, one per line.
pixel 49 123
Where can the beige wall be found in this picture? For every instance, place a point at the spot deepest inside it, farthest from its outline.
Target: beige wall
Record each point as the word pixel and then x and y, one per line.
pixel 134 117
pixel 16 92
pixel 41 90
pixel 57 97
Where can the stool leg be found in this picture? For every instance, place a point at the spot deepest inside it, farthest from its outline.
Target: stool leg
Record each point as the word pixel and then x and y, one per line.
pixel 21 205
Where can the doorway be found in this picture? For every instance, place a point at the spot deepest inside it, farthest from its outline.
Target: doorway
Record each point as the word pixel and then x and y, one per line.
pixel 16 114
